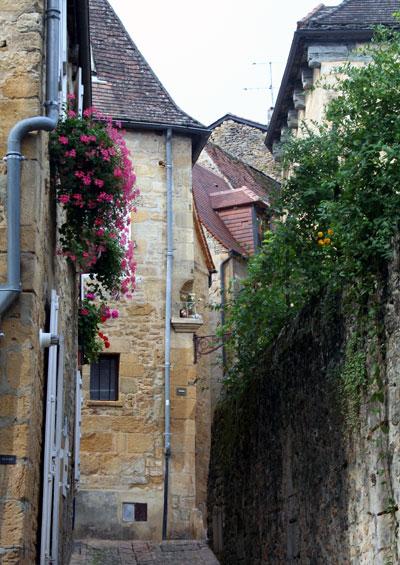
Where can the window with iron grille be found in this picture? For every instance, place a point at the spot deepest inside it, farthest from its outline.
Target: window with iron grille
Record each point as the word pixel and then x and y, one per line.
pixel 104 378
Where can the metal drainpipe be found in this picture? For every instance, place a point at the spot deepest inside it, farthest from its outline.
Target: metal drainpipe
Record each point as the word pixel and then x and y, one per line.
pixel 12 288
pixel 168 309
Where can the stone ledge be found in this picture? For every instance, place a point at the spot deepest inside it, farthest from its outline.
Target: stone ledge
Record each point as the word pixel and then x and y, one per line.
pixel 106 403
pixel 186 325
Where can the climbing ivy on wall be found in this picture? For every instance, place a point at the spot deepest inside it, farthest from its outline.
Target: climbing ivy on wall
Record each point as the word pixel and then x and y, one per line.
pixel 341 209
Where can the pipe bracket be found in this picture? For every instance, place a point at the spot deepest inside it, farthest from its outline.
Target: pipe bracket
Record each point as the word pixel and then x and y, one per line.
pixel 14 155
pixel 53 13
pixel 48 339
pixel 51 104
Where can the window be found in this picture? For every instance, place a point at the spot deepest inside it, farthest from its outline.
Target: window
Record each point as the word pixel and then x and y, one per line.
pixel 134 512
pixel 104 378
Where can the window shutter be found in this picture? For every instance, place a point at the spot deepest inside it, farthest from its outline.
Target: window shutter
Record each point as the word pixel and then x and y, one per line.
pixel 58 452
pixel 80 92
pixel 63 53
pixel 48 464
pixel 78 423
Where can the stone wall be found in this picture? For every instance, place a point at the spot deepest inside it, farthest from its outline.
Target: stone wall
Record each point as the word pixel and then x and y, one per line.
pixel 320 91
pixel 22 362
pixel 204 371
pixel 122 451
pixel 245 143
pixel 290 480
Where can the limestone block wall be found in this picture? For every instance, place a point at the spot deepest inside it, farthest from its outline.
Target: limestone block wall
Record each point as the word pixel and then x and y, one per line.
pixel 122 455
pixel 219 253
pixel 324 76
pixel 245 143
pixel 22 362
pixel 290 480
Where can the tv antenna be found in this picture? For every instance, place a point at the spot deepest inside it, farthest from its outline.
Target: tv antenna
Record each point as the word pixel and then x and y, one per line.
pixel 269 81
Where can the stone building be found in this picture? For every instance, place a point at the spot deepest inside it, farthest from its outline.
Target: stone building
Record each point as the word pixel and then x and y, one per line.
pixel 244 139
pixel 325 39
pixel 36 436
pixel 232 199
pixel 139 438
pixel 322 500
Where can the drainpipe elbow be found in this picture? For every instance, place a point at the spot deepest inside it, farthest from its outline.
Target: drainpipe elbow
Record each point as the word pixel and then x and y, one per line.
pixel 23 127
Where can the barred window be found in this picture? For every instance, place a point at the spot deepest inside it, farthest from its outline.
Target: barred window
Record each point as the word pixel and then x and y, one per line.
pixel 104 378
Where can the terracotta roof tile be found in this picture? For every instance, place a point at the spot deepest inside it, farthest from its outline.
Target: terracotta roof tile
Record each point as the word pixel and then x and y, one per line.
pixel 205 183
pixel 355 13
pixel 127 88
pixel 238 174
pixel 229 198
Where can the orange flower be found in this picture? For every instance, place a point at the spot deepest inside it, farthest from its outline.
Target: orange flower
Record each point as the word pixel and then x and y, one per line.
pixel 320 234
pixel 330 231
pixel 321 242
pixel 327 241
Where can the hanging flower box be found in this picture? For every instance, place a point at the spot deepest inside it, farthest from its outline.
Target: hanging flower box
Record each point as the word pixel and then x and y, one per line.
pixel 94 180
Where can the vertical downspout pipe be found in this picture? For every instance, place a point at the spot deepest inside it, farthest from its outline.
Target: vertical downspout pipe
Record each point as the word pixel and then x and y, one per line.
pixel 168 314
pixel 12 288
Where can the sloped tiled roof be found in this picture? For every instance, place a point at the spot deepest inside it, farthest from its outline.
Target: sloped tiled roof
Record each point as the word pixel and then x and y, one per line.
pixel 352 21
pixel 319 10
pixel 355 13
pixel 205 183
pixel 238 174
pixel 126 87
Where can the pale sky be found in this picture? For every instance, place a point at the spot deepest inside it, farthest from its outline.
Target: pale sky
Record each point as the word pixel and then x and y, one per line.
pixel 203 52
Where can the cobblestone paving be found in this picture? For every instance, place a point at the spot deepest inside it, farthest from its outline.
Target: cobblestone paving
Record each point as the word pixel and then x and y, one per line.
pixel 102 552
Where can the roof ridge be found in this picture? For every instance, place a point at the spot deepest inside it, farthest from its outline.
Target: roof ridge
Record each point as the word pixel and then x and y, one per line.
pixel 234 117
pixel 310 14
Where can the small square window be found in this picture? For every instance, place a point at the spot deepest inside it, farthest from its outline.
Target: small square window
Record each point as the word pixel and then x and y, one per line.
pixel 104 378
pixel 134 512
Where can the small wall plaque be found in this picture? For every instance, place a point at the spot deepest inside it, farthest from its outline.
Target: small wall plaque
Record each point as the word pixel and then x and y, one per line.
pixel 8 459
pixel 181 391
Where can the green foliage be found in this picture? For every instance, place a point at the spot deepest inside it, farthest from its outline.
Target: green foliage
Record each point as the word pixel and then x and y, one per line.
pixel 89 320
pixel 341 209
pixel 354 378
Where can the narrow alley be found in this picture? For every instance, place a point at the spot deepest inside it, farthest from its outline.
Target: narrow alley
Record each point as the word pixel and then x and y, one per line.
pixel 179 552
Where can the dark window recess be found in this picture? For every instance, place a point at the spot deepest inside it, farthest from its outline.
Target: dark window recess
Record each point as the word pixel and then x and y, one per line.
pixel 140 512
pixel 263 225
pixel 104 378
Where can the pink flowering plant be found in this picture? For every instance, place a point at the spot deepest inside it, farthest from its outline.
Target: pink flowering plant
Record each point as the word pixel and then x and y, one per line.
pixel 95 185
pixel 92 315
